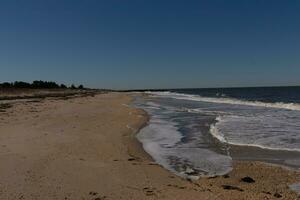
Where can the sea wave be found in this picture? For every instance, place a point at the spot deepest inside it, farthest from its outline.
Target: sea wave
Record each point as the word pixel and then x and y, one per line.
pixel 227 100
pixel 216 133
pixel 162 140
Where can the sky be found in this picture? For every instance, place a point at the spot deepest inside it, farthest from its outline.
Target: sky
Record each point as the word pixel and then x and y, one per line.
pixel 140 44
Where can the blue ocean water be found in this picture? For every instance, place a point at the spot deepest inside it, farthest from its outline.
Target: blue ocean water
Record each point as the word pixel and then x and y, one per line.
pixel 193 132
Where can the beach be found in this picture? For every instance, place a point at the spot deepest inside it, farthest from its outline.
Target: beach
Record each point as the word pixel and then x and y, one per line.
pixel 85 147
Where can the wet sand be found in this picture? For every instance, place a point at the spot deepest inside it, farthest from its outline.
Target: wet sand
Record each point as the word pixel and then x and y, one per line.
pixel 289 159
pixel 85 148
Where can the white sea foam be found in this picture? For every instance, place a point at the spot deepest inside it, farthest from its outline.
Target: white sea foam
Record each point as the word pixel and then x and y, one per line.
pixel 237 139
pixel 161 140
pixel 280 105
pixel 153 105
pixel 216 133
pixel 202 110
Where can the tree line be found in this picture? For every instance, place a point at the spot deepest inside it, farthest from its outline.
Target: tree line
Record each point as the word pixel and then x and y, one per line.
pixel 38 85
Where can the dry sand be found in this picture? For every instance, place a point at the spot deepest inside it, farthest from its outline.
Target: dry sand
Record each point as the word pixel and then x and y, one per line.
pixel 85 148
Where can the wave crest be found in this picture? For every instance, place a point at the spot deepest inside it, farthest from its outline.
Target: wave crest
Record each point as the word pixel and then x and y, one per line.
pixel 223 100
pixel 216 133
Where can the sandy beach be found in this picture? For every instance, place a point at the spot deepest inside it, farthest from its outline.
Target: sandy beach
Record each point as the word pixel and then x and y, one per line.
pixel 85 148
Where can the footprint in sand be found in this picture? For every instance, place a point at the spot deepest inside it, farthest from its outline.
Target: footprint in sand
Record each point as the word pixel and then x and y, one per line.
pixel 96 197
pixel 149 191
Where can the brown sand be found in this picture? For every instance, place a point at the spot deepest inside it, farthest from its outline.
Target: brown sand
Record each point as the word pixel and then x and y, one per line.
pixel 85 148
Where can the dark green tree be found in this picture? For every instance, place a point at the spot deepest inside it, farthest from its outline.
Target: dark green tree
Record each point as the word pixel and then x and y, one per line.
pixel 63 86
pixel 73 87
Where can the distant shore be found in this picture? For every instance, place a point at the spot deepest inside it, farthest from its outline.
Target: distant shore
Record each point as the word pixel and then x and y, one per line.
pixel 21 93
pixel 84 147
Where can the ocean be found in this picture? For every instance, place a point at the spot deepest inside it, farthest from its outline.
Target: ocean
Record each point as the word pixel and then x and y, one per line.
pixel 199 132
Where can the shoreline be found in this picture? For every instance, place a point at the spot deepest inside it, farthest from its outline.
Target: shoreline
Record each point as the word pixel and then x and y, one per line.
pixel 266 154
pixel 85 148
pixel 237 159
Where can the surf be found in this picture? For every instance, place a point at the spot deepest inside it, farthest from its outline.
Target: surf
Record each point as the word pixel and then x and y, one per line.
pixel 226 100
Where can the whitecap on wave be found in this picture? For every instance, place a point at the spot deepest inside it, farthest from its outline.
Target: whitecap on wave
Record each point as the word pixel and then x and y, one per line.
pixel 280 105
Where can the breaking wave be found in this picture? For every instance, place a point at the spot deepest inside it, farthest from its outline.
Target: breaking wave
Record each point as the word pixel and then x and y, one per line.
pixel 217 133
pixel 227 100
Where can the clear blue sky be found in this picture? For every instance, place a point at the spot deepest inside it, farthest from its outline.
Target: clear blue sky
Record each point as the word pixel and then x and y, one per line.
pixel 151 44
